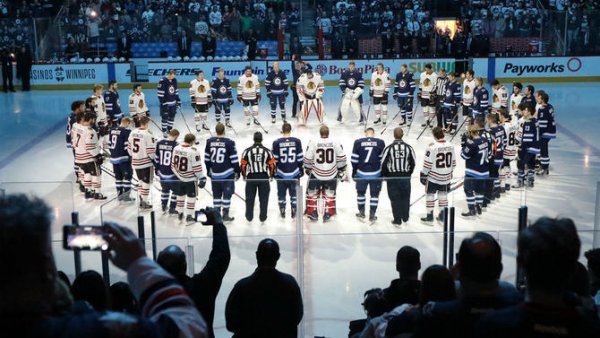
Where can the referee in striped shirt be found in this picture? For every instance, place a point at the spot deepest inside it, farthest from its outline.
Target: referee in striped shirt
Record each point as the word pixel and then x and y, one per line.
pixel 258 166
pixel 397 166
pixel 440 92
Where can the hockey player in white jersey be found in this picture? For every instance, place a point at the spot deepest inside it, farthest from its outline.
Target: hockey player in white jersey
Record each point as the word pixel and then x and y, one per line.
pixel 187 166
pixel 499 96
pixel 511 125
pixel 248 94
pixel 468 90
pixel 379 91
pixel 88 156
pixel 100 109
pixel 436 175
pixel 426 94
pixel 324 163
pixel 352 86
pixel 142 148
pixel 310 89
pixel 515 100
pixel 137 105
pixel 201 98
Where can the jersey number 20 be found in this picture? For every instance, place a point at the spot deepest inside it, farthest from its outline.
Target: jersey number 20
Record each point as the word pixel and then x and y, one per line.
pixel 443 160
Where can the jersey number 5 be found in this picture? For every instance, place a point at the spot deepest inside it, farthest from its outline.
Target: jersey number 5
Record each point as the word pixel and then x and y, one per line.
pixel 136 145
pixel 325 155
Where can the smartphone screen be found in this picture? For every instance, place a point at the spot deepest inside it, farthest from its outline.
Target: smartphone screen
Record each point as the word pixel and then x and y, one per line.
pixel 84 237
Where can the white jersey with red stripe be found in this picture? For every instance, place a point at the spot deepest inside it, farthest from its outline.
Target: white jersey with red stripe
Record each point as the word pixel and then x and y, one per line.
pixel 427 84
pixel 142 148
pixel 440 161
pixel 511 147
pixel 499 97
pixel 380 84
pixel 248 87
pixel 186 163
pixel 137 104
pixel 100 109
pixel 85 143
pixel 468 91
pixel 515 101
pixel 324 158
pixel 309 88
pixel 200 91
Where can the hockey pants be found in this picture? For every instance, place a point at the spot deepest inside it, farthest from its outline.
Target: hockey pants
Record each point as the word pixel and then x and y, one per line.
pixel 167 115
pixel 222 192
pixel 283 188
pixel 361 191
pixel 398 189
pixel 274 100
pixel 312 104
pixel 263 188
pixel 321 189
pixel 123 174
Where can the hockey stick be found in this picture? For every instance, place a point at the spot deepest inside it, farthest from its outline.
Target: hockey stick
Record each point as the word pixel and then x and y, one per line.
pixel 458 185
pixel 368 112
pixel 259 124
pixel 449 126
pixel 459 128
pixel 232 129
pixel 155 124
pixel 414 112
pixel 422 131
pixel 393 118
pixel 184 120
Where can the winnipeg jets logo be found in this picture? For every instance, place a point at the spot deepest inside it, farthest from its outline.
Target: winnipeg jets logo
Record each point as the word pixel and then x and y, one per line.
pixel 402 83
pixel 277 81
pixel 448 93
pixel 222 89
pixel 171 90
pixel 351 82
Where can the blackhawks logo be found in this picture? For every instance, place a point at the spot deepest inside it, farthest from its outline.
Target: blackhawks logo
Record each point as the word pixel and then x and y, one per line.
pixel 311 85
pixel 513 105
pixel 495 98
pixel 378 82
pixel 249 84
pixel 427 83
pixel 201 89
pixel 467 90
pixel 141 104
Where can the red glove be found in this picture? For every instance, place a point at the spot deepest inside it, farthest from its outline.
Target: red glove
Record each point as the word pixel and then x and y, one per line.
pixel 258 97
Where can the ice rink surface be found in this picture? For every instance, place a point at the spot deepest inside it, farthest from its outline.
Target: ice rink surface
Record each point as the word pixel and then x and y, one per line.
pixel 334 262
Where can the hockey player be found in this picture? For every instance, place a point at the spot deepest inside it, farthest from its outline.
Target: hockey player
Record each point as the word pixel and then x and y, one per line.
pixel 499 134
pixel 397 165
pixel 201 98
pixel 510 124
pixel 187 166
pixel 379 91
pixel 486 134
pixel 222 96
pixel 137 105
pixel 289 157
pixel 258 168
pixel 352 86
pixel 121 160
pixel 366 172
pixel 481 99
pixel 248 94
pixel 547 130
pixel 426 94
pixel 468 88
pixel 310 88
pixel 515 100
pixel 404 90
pixel 100 109
pixel 475 152
pixel 113 104
pixel 74 119
pixel 499 96
pixel 142 148
pixel 276 84
pixel 436 175
pixel 223 168
pixel 168 97
pixel 529 148
pixel 324 163
pixel 162 168
pixel 450 103
pixel 88 156
pixel 529 98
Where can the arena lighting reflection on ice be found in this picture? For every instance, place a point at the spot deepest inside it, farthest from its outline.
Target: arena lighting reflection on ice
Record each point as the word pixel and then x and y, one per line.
pixel 446 24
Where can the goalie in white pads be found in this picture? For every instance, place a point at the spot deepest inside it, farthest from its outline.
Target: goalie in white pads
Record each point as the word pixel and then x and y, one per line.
pixel 248 94
pixel 201 98
pixel 379 91
pixel 141 145
pixel 352 86
pixel 427 94
pixel 310 89
pixel 137 105
pixel 324 163
pixel 187 166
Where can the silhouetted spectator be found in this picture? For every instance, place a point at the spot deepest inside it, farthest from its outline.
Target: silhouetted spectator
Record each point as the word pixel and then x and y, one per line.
pixel 24 63
pixel 267 303
pixel 63 276
pixel 405 41
pixel 209 46
pixel 124 47
pixel 593 265
pixel 89 286
pixel 337 46
pixel 352 45
pixel 296 47
pixel 405 290
pixel 204 286
pixel 6 59
pixel 251 42
pixel 122 299
pixel 184 45
pixel 548 252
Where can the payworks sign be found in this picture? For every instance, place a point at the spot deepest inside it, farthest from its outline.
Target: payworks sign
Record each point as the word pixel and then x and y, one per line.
pixel 186 71
pixel 562 69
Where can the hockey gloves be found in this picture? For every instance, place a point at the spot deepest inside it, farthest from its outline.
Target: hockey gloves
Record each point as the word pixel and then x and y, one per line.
pixel 230 101
pixel 239 98
pixel 342 175
pixel 202 182
pixel 99 159
pixel 423 178
pixel 269 94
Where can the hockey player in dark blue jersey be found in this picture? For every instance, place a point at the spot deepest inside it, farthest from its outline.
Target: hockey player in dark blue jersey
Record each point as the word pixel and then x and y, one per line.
pixel 223 167
pixel 289 158
pixel 168 97
pixel 450 103
pixel 168 180
pixel 222 96
pixel 113 105
pixel 276 84
pixel 404 90
pixel 366 171
pixel 475 152
pixel 481 98
pixel 121 160
pixel 529 98
pixel 77 111
pixel 500 140
pixel 352 86
pixel 529 146
pixel 547 130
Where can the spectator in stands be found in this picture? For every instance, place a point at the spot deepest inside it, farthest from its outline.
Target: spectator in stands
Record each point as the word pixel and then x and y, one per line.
pixel 251 43
pixel 30 277
pixel 201 27
pixel 294 19
pixel 479 264
pixel 209 46
pixel 413 27
pixel 124 46
pixel 423 41
pixel 215 18
pixel 267 303
pixel 405 289
pixel 6 60
pixel 405 41
pixel 352 45
pixel 204 286
pixel 387 43
pixel 374 306
pixel 296 47
pixel 324 24
pixel 184 44
pixel 548 252
pixel 122 299
pixel 89 287
pixel 337 46
pixel 246 23
pixel 458 46
pixel 24 63
pixel 283 22
pixel 593 265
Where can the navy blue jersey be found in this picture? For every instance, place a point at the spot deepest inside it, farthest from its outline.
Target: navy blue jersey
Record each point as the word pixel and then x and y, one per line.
pixel 405 85
pixel 276 83
pixel 546 121
pixel 70 121
pixel 529 101
pixel 530 140
pixel 452 94
pixel 351 80
pixel 113 105
pixel 481 99
pixel 366 157
pixel 500 140
pixel 168 94
pixel 117 143
pixel 221 158
pixel 289 157
pixel 164 154
pixel 221 90
pixel 476 153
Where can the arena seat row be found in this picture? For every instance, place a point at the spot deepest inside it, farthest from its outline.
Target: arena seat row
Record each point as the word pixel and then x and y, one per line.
pixel 224 48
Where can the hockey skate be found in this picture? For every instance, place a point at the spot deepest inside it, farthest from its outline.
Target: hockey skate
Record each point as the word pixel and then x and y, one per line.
pixel 479 209
pixel 99 196
pixel 543 172
pixel 469 214
pixel 372 217
pixel 378 121
pixel 293 213
pixel 124 197
pixel 256 122
pixel 530 184
pixel 326 217
pixel 226 217
pixel 339 118
pixel 198 128
pixel 282 212
pixel 361 214
pixel 81 187
pixel 205 127
pixel 428 220
pixel 520 185
pixel 314 216
pixel 228 123
pixel 173 212
pixel 507 187
pixel 145 205
pixel 403 122
pixel 440 217
pixel 273 120
pixel 89 195
pixel 190 220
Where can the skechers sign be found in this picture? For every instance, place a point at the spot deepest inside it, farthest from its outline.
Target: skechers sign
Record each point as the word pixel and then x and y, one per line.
pixel 186 71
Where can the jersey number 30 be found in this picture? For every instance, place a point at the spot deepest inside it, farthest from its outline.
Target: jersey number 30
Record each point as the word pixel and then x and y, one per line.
pixel 325 155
